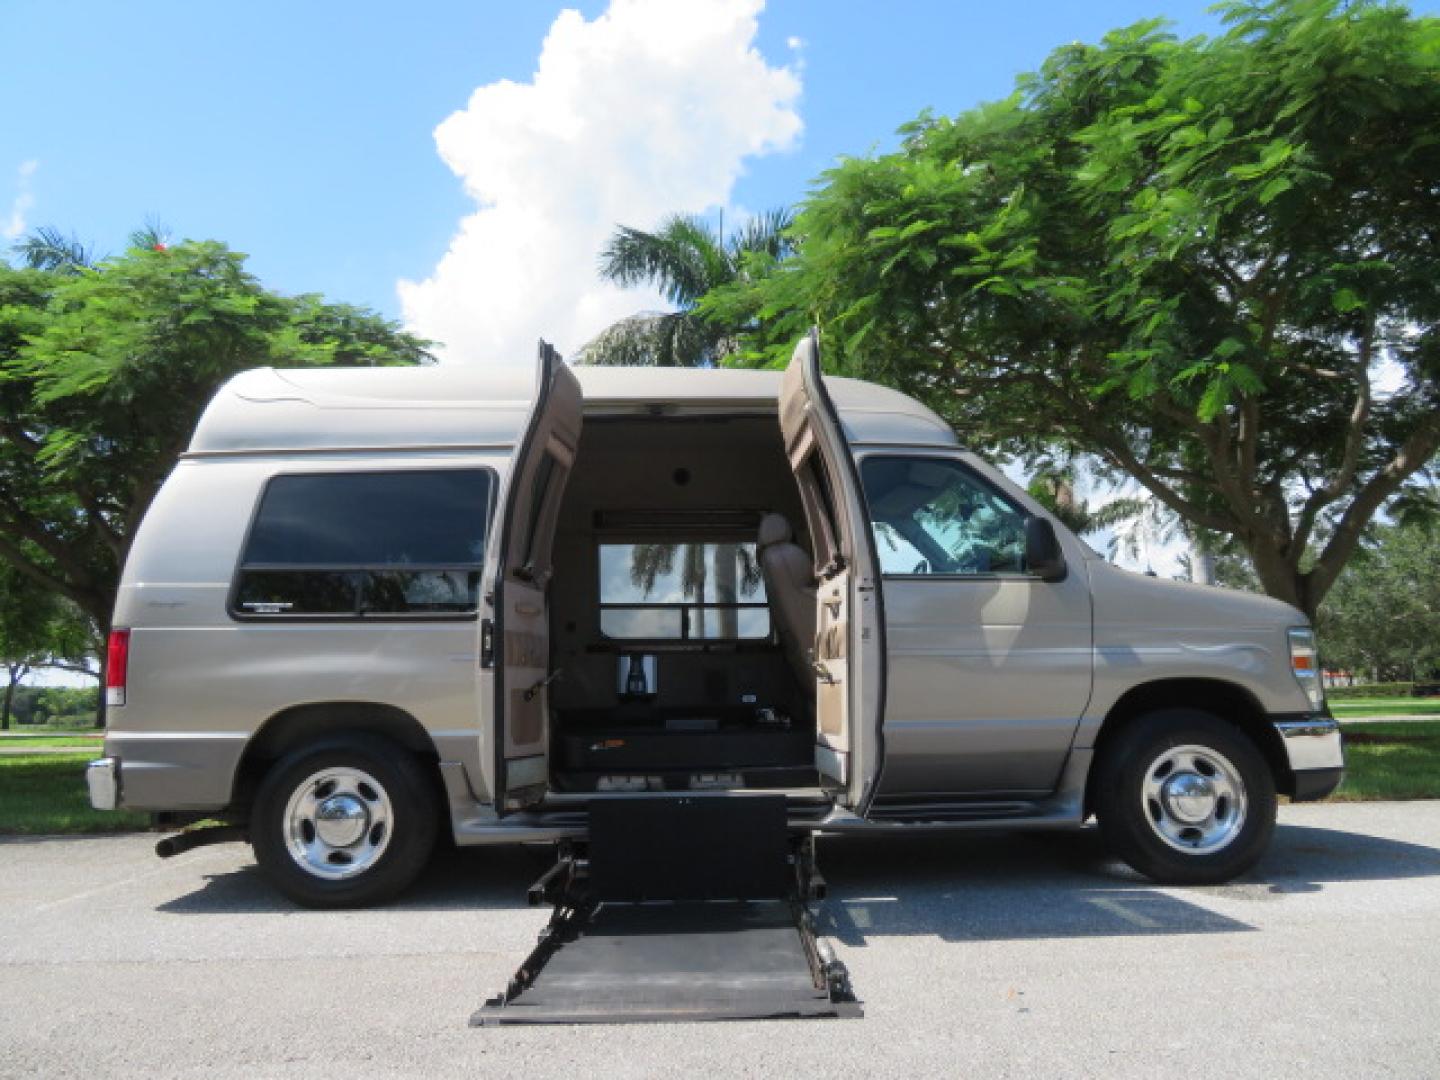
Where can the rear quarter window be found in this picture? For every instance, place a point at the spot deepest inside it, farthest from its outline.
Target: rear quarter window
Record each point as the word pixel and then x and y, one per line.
pixel 356 545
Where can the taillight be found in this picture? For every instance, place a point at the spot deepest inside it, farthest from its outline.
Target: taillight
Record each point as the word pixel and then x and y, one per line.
pixel 117 661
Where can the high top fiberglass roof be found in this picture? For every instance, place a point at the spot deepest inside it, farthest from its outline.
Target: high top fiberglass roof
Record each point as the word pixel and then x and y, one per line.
pixel 268 410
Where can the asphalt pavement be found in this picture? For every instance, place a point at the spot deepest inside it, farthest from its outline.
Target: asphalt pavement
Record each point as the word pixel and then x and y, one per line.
pixel 979 956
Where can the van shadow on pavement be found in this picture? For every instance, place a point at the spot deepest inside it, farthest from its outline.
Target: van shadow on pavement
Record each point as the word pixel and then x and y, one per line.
pixel 955 886
pixel 476 879
pixel 992 886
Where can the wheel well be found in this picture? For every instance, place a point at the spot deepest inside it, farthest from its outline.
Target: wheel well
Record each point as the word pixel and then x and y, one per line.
pixel 1223 699
pixel 301 724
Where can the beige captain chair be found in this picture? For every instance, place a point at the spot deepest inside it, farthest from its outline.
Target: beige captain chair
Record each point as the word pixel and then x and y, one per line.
pixel 790 589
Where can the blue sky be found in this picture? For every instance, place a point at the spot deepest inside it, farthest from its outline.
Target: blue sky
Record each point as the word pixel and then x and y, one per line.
pixel 305 134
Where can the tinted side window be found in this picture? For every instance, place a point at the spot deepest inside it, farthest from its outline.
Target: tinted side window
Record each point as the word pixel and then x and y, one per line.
pixel 934 516
pixel 408 542
pixel 372 519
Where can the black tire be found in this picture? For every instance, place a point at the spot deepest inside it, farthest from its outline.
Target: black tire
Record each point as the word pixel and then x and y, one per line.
pixel 384 862
pixel 1134 825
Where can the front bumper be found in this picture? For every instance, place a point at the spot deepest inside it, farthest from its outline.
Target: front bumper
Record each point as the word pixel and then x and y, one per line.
pixel 103 779
pixel 1315 751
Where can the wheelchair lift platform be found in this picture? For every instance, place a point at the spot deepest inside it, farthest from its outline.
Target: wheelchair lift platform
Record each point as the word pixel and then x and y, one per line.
pixel 679 909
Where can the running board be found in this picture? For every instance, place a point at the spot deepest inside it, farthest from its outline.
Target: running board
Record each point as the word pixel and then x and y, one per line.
pixel 688 909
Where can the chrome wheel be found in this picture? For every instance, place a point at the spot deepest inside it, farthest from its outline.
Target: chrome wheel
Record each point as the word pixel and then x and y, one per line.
pixel 338 823
pixel 1194 799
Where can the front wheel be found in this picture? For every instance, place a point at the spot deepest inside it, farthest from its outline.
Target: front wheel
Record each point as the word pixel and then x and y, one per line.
pixel 1185 798
pixel 344 823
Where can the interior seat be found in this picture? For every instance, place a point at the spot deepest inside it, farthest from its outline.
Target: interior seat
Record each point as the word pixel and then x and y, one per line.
pixel 790 589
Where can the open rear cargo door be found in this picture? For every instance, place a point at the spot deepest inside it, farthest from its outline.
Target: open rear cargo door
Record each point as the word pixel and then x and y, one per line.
pixel 515 637
pixel 849 650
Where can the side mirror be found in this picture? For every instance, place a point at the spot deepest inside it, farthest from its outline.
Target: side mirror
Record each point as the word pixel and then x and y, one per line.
pixel 1043 556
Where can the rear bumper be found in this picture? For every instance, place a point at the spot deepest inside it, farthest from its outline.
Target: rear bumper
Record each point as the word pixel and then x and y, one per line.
pixel 1315 751
pixel 102 777
pixel 184 771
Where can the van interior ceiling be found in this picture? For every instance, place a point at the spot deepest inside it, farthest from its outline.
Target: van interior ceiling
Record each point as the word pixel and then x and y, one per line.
pixel 674 669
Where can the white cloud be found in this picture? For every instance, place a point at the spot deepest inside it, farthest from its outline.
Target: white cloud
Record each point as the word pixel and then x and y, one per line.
pixel 14 222
pixel 650 109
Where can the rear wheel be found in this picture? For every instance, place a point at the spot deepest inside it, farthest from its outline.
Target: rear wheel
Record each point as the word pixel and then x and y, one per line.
pixel 344 823
pixel 1185 798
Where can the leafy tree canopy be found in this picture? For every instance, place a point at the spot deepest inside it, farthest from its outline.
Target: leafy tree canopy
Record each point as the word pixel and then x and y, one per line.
pixel 104 371
pixel 38 627
pixel 1382 619
pixel 1209 263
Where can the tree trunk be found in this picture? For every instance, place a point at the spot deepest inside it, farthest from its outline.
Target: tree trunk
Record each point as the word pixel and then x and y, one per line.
pixel 693 585
pixel 1202 566
pixel 102 653
pixel 1279 578
pixel 726 557
pixel 16 672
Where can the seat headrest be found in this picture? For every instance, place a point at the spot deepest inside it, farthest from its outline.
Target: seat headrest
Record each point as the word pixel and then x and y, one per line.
pixel 774 529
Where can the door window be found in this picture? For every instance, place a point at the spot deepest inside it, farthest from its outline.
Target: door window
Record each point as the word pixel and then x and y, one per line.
pixel 935 516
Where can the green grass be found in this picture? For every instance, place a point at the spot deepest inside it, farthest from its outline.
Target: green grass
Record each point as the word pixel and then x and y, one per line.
pixel 1391 706
pixel 1391 761
pixel 45 793
pixel 87 728
pixel 36 742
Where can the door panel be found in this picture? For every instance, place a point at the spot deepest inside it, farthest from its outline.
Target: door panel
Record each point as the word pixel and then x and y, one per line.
pixel 831 649
pixel 848 652
pixel 515 666
pixel 990 668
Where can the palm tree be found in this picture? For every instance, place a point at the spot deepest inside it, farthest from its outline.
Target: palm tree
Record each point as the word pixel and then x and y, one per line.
pixel 735 571
pixel 1053 486
pixel 685 259
pixel 47 248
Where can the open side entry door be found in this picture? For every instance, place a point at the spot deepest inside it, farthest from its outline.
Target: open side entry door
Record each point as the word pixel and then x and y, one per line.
pixel 515 650
pixel 849 651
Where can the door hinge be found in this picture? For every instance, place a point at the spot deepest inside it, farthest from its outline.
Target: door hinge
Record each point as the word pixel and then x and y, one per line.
pixel 487 643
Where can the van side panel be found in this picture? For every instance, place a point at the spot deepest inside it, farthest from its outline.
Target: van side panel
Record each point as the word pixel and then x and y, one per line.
pixel 1148 629
pixel 202 683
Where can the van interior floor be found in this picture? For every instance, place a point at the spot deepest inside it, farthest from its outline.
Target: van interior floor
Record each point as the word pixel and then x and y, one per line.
pixel 681 909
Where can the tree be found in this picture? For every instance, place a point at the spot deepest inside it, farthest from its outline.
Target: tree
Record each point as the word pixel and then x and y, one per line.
pixel 1383 616
pixel 38 628
pixel 47 248
pixel 104 371
pixel 1190 260
pixel 1052 484
pixel 684 259
pixel 735 571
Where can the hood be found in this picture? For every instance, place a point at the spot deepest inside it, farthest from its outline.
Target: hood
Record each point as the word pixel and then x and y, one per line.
pixel 1128 597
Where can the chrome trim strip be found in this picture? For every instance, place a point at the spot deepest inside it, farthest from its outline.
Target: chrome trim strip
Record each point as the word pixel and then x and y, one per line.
pixel 137 736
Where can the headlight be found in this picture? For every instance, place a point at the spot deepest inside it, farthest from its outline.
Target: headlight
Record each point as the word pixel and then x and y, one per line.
pixel 1305 663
